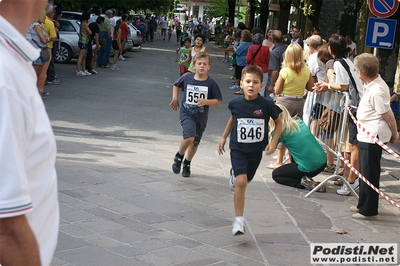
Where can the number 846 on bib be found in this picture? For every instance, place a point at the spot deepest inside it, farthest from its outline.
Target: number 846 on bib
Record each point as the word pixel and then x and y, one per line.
pixel 250 130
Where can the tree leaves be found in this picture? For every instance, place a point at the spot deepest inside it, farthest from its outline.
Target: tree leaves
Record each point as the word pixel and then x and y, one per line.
pixel 161 6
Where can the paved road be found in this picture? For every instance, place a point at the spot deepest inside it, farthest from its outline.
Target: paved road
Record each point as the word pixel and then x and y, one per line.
pixel 122 205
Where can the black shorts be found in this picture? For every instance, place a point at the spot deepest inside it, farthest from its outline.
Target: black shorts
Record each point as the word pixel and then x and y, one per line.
pixel 115 45
pixel 245 163
pixel 83 46
pixel 317 110
pixel 238 72
pixel 352 132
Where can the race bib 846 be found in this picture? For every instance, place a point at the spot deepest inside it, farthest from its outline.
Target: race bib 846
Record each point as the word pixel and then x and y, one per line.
pixel 250 130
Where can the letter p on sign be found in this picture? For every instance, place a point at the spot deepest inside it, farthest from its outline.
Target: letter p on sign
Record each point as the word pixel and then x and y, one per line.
pixel 380 30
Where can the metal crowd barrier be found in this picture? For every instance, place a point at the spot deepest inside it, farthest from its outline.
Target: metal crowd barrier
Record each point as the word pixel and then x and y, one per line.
pixel 329 106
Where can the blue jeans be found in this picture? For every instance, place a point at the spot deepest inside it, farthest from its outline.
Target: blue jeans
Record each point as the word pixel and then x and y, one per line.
pixel 104 52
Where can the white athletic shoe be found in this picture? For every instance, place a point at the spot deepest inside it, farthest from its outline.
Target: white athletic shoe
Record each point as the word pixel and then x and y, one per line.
pixel 238 228
pixel 345 191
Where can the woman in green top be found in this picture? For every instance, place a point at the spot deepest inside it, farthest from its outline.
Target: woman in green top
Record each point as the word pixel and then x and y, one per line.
pixel 308 157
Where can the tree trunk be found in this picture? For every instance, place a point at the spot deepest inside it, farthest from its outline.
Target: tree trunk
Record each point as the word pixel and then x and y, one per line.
pixel 231 8
pixel 284 16
pixel 250 13
pixel 364 14
pixel 312 21
pixel 264 13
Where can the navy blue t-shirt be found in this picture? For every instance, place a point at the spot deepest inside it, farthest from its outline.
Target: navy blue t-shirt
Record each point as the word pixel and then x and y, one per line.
pixel 250 128
pixel 195 89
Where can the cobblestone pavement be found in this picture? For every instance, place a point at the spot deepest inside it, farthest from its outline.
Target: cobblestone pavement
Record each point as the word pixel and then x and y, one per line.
pixel 122 205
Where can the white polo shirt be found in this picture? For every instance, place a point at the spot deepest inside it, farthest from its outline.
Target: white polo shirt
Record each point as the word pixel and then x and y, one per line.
pixel 374 102
pixel 28 180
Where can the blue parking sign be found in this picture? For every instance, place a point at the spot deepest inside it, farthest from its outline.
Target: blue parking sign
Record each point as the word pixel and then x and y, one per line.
pixel 380 33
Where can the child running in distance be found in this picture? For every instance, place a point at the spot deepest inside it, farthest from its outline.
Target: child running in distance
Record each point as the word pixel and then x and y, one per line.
pixel 181 54
pixel 169 33
pixel 201 92
pixel 308 157
pixel 248 130
pixel 197 48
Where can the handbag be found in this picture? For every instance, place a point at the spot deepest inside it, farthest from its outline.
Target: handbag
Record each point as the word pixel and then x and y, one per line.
pixel 329 121
pixel 254 56
pixel 44 52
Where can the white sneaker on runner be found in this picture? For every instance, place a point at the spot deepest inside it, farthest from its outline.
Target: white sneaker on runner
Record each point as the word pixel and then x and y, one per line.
pixel 121 58
pixel 345 191
pixel 232 180
pixel 238 228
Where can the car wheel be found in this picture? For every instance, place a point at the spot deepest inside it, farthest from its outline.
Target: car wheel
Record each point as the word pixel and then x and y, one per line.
pixel 64 54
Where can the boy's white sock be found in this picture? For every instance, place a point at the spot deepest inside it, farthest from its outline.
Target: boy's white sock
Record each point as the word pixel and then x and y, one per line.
pixel 240 219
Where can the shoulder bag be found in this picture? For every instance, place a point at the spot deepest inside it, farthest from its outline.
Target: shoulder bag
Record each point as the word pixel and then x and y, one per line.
pixel 44 52
pixel 254 56
pixel 353 90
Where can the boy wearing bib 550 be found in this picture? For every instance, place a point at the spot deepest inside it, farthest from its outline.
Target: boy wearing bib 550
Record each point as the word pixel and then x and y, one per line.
pixel 248 130
pixel 201 92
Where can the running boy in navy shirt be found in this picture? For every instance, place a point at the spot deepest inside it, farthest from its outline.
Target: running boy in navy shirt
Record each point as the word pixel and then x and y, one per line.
pixel 201 92
pixel 248 130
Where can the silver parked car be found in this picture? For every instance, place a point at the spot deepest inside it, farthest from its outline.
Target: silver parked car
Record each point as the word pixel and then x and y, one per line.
pixel 67 45
pixel 135 36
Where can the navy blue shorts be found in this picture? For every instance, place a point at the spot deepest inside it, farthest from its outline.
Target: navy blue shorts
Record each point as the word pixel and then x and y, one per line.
pixel 245 163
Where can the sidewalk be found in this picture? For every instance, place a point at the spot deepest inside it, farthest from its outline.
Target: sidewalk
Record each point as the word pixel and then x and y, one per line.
pixel 121 204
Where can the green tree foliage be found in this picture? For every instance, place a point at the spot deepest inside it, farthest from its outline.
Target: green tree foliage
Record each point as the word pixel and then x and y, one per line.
pixel 161 6
pixel 220 8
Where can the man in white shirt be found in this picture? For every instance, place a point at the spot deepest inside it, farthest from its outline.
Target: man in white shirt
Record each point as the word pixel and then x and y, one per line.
pixel 352 48
pixel 93 18
pixel 29 211
pixel 317 69
pixel 164 24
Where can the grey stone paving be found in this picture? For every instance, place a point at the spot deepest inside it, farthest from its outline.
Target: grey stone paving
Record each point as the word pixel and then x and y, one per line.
pixel 117 209
pixel 122 205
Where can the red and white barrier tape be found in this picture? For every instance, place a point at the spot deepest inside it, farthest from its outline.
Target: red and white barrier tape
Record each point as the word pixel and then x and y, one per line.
pixel 380 143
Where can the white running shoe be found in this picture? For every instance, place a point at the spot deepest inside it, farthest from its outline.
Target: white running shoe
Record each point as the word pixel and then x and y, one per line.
pixel 232 180
pixel 345 191
pixel 121 58
pixel 80 73
pixel 114 68
pixel 87 73
pixel 238 228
